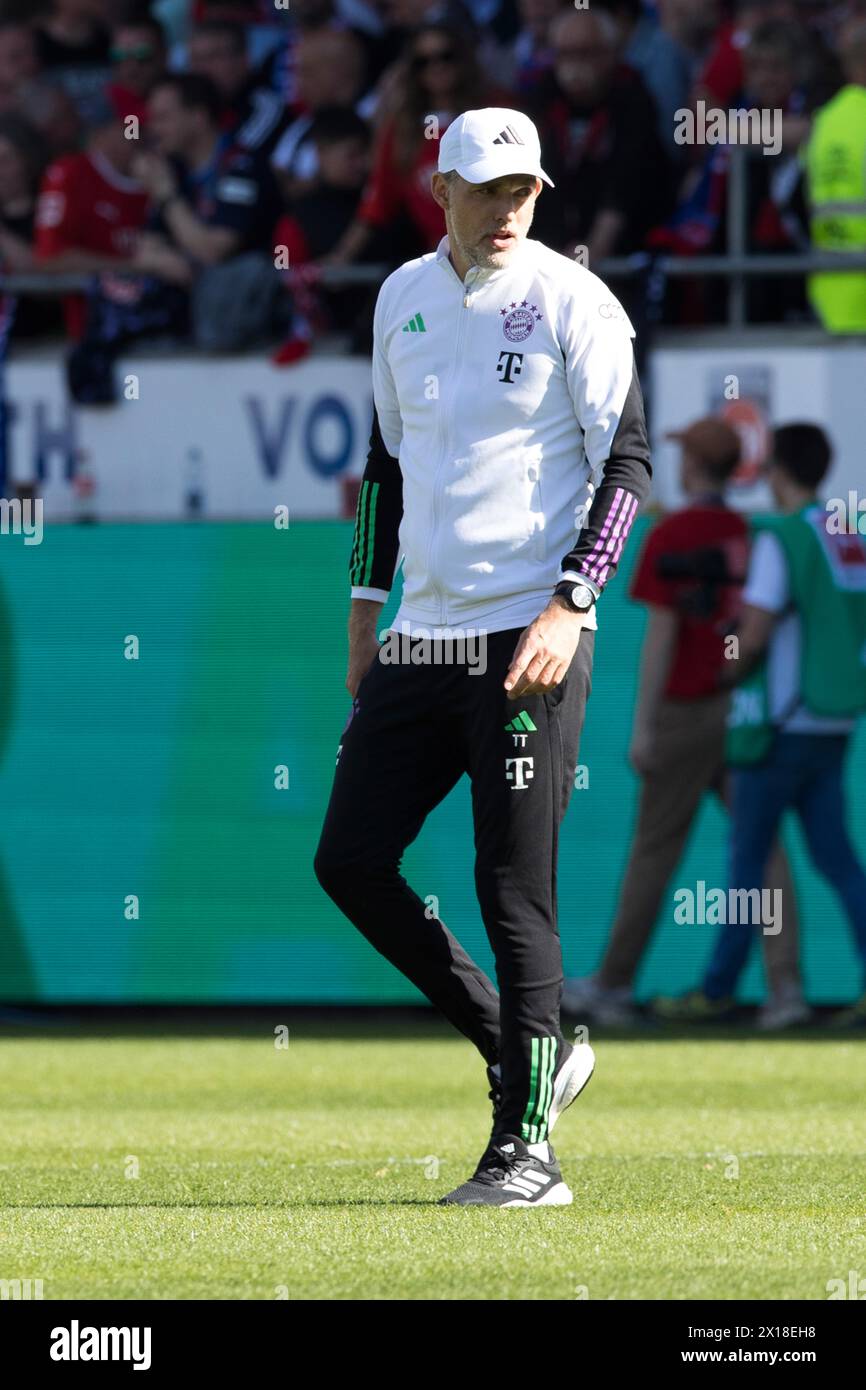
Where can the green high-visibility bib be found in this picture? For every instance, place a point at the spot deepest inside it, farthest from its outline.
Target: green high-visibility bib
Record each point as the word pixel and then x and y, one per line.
pixel 827 575
pixel 835 165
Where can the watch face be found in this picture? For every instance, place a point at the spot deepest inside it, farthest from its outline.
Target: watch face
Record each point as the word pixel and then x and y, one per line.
pixel 582 597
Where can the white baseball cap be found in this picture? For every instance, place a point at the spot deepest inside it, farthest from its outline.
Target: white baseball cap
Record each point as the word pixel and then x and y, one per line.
pixel 484 145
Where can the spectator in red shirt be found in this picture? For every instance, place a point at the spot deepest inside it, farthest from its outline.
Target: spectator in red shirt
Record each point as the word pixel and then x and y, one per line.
pixel 438 77
pixel 90 211
pixel 690 575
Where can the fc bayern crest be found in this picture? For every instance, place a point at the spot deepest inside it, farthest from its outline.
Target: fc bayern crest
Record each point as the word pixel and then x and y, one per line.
pixel 519 320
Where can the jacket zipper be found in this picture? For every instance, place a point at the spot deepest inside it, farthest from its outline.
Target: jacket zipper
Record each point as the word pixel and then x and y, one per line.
pixel 443 451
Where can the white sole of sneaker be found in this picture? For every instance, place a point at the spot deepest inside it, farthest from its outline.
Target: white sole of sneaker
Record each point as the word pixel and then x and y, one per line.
pixel 570 1081
pixel 558 1196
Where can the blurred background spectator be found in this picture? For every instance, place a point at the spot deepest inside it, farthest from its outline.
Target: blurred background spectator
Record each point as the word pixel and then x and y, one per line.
pixel 23 156
pixel 73 41
pixel 90 210
pixel 25 89
pixel 599 133
pixel 329 69
pixel 438 77
pixel 138 57
pixel 607 86
pixel 252 113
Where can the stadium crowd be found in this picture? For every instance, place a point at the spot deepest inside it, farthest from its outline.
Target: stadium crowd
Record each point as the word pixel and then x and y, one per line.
pixel 202 144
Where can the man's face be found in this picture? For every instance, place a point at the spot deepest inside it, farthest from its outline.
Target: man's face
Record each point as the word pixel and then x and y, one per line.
pixel 168 121
pixel 487 221
pixel 327 69
pixel 214 56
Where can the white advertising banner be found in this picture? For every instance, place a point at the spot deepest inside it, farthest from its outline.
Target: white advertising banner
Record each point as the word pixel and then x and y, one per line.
pixel 227 438
pixel 192 436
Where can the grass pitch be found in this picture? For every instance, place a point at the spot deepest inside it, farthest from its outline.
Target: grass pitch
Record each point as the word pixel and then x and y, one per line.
pixel 138 1165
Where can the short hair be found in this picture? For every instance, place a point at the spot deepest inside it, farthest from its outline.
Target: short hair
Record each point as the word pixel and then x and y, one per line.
pixel 225 28
pixel 194 90
pixel 334 123
pixel 803 451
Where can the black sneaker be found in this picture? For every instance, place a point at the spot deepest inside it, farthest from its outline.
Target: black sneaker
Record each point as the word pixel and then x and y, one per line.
pixel 574 1073
pixel 509 1176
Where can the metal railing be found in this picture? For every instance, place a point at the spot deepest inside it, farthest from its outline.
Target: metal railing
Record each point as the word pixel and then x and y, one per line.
pixel 737 265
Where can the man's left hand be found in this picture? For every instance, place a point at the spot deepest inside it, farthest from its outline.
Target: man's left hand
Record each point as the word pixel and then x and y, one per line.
pixel 545 651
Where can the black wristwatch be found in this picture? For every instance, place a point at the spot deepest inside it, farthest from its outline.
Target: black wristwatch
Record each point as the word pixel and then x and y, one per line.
pixel 578 596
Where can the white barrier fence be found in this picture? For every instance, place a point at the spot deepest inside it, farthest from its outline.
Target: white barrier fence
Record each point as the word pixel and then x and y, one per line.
pixel 219 438
pixel 236 438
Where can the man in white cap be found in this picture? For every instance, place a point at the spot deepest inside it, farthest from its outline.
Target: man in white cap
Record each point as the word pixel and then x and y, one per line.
pixel 507 461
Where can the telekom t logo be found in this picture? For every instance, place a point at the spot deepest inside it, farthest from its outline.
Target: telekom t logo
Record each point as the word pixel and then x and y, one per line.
pixel 519 778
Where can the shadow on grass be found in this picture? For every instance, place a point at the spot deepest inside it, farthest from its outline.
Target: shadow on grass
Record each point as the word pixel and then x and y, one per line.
pixel 361 1023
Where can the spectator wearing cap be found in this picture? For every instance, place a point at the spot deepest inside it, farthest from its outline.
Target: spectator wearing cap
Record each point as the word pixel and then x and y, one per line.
pixel 90 210
pixel 252 114
pixel 689 575
pixel 801 686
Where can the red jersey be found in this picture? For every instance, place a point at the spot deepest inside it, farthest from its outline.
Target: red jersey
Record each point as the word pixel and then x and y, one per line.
pixel 392 189
pixel 687 563
pixel 86 205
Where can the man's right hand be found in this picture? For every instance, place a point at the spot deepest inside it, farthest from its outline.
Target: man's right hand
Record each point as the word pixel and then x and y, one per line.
pixel 363 651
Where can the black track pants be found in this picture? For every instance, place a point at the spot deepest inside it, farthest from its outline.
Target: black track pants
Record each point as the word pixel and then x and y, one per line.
pixel 414 731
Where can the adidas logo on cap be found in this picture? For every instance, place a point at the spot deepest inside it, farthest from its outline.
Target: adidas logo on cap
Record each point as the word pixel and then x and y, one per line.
pixel 508 136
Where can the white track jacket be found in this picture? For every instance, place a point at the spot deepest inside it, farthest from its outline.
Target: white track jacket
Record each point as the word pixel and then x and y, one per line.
pixel 509 445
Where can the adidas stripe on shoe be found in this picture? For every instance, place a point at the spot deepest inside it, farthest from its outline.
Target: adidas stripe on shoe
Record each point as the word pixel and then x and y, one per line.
pixel 508 1175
